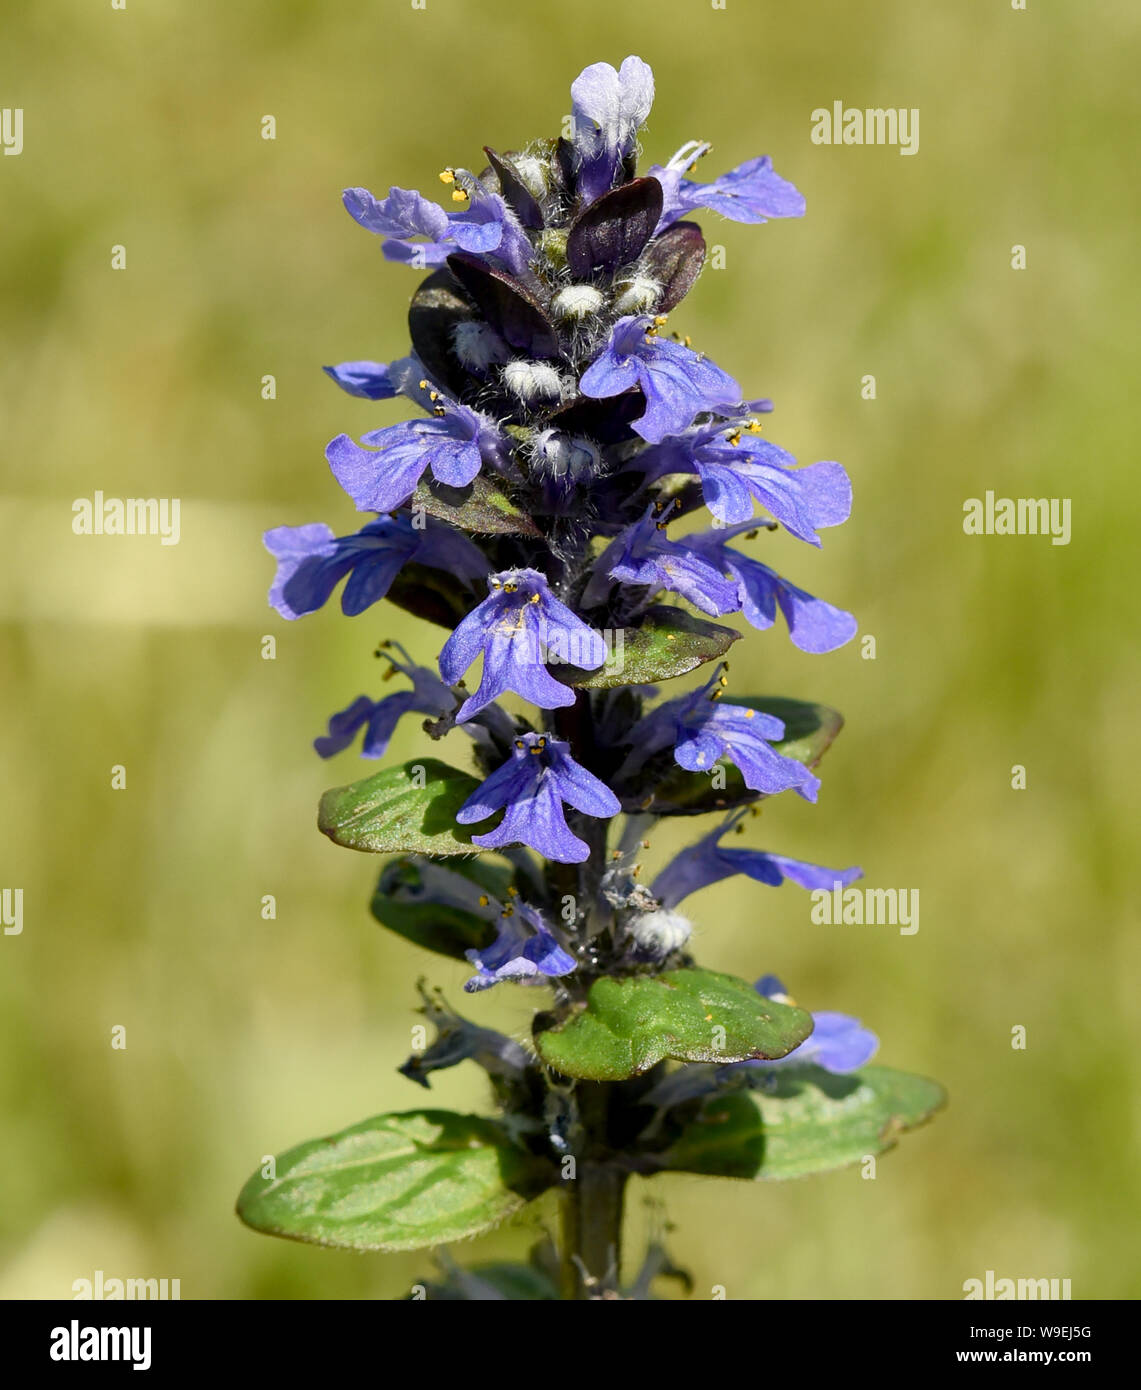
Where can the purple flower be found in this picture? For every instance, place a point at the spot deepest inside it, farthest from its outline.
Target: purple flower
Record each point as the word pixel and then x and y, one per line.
pixel 644 555
pixel 405 214
pixel 676 381
pixel 379 718
pixel 701 730
pixel 752 192
pixel 837 1043
pixel 525 948
pixel 368 379
pixel 708 862
pixel 813 625
pixel 311 561
pixel 459 1040
pixel 511 629
pixel 532 785
pixel 454 444
pixel 608 109
pixel 735 468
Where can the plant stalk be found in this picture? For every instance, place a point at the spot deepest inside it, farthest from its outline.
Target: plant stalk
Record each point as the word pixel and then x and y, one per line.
pixel 591 1240
pixel 592 1204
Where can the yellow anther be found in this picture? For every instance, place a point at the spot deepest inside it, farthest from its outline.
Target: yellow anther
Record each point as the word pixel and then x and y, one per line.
pixel 433 395
pixel 687 341
pixel 754 426
pixel 484 900
pixel 635 871
pixel 534 598
pixel 660 319
pixel 459 195
pixel 508 911
pixel 447 176
pixel 751 713
pixel 734 437
pixel 645 844
pixel 424 384
pixel 520 744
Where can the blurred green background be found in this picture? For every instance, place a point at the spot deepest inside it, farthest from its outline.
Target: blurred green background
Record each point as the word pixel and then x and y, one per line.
pixel 142 907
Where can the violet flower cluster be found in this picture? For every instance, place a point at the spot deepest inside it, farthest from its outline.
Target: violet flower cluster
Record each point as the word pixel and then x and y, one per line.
pixel 576 494
pixel 540 355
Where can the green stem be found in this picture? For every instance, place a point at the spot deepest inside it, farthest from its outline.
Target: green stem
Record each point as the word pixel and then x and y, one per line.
pixel 591 1230
pixel 592 1203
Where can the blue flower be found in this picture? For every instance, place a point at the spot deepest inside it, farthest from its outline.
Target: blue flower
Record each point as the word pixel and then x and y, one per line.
pixel 701 730
pixel 454 444
pixel 709 862
pixel 532 785
pixel 735 468
pixel 676 381
pixel 511 629
pixel 644 555
pixel 405 214
pixel 752 192
pixel 838 1043
pixel 813 625
pixel 608 108
pixel 525 948
pixel 311 561
pixel 379 718
pixel 459 1040
pixel 368 379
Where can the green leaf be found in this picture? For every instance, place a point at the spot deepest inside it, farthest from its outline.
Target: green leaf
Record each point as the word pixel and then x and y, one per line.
pixel 811 1122
pixel 480 507
pixel 669 642
pixel 441 927
pixel 396 1182
pixel 809 731
pixel 401 810
pixel 628 1026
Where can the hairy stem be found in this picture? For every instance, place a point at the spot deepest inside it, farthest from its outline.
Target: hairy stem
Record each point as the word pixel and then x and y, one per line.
pixel 591 1241
pixel 592 1203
